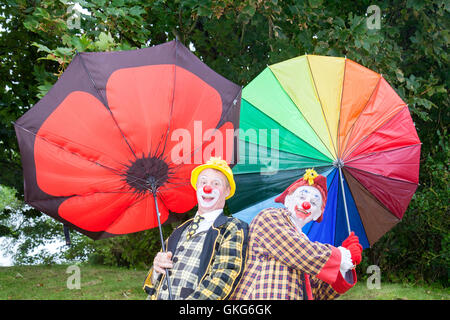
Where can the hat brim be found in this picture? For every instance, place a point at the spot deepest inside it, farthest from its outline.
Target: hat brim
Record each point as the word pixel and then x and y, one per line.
pixel 196 172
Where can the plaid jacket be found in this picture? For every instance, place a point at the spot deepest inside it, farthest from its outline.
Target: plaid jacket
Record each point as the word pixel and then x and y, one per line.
pixel 221 262
pixel 279 260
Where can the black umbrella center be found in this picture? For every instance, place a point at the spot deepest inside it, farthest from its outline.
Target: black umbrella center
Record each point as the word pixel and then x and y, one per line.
pixel 147 174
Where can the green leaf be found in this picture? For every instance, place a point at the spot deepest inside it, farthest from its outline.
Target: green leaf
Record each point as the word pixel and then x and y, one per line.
pixel 278 32
pixel 41 13
pixel 203 11
pixel 104 42
pixel 366 45
pixel 43 89
pixel 41 47
pixel 31 23
pixel 415 4
pixel 61 52
pixel 412 83
pixel 423 102
pixel 315 3
pixel 339 21
pixel 249 10
pixel 80 43
pixel 399 75
pixel 136 11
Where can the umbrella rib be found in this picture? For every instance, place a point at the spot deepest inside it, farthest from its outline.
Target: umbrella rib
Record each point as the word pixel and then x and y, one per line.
pixel 34 201
pixel 353 198
pixel 307 121
pixel 321 107
pixel 341 179
pixel 381 204
pixel 288 152
pixel 132 203
pixel 173 96
pixel 340 107
pixel 292 132
pixel 359 115
pixel 105 103
pixel 176 185
pixel 68 140
pixel 375 130
pixel 381 176
pixel 118 172
pixel 366 155
pixel 62 148
pixel 212 134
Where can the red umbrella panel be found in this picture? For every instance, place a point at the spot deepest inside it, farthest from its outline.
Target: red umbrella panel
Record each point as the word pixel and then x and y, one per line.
pixel 120 127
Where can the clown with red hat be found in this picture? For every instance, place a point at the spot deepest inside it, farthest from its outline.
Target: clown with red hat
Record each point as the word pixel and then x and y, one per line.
pixel 282 263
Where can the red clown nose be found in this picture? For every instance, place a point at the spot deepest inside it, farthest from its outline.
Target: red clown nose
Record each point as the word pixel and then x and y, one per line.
pixel 306 205
pixel 207 189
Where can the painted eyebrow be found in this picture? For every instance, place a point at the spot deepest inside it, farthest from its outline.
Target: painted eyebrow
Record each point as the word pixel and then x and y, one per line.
pixel 307 191
pixel 213 180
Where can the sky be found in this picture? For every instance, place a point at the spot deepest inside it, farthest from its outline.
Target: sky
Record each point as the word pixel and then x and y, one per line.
pixel 7 261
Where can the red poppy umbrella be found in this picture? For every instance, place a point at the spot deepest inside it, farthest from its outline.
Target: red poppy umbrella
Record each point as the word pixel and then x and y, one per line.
pixel 115 139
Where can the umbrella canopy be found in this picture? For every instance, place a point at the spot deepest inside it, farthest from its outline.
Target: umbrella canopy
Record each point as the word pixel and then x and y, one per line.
pixel 117 136
pixel 345 121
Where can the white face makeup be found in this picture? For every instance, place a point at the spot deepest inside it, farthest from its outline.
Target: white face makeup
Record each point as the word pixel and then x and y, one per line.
pixel 205 199
pixel 304 204
pixel 211 190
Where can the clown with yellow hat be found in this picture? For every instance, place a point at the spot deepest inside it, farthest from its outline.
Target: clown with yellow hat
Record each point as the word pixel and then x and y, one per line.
pixel 206 254
pixel 219 165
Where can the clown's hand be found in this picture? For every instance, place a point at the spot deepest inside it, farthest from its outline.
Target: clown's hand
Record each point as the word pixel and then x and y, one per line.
pixel 162 261
pixel 352 238
pixel 355 248
pixel 346 261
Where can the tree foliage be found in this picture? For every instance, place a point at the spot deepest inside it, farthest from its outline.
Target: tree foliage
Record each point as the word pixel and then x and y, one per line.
pixel 238 39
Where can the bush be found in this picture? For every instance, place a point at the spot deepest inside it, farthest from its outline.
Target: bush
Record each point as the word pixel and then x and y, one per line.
pixel 135 250
pixel 418 248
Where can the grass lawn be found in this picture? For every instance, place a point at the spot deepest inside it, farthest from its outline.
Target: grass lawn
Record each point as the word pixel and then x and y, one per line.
pixel 394 291
pixel 108 283
pixel 50 282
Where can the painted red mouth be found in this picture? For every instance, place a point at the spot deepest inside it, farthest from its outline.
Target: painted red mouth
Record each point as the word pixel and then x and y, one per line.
pixel 207 199
pixel 300 213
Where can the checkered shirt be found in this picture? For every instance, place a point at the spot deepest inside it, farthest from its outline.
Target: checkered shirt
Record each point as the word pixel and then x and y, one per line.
pixel 221 260
pixel 276 258
pixel 186 261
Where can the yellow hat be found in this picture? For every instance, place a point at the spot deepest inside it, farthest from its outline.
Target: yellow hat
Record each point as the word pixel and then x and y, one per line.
pixel 218 164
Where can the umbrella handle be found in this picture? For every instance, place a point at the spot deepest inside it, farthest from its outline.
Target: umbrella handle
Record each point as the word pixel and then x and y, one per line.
pixel 163 246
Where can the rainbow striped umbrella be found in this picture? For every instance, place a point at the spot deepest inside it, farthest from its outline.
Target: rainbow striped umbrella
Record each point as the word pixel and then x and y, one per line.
pixel 340 118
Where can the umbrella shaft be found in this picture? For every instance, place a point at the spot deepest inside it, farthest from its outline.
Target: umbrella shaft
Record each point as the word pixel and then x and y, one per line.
pixel 341 178
pixel 163 246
